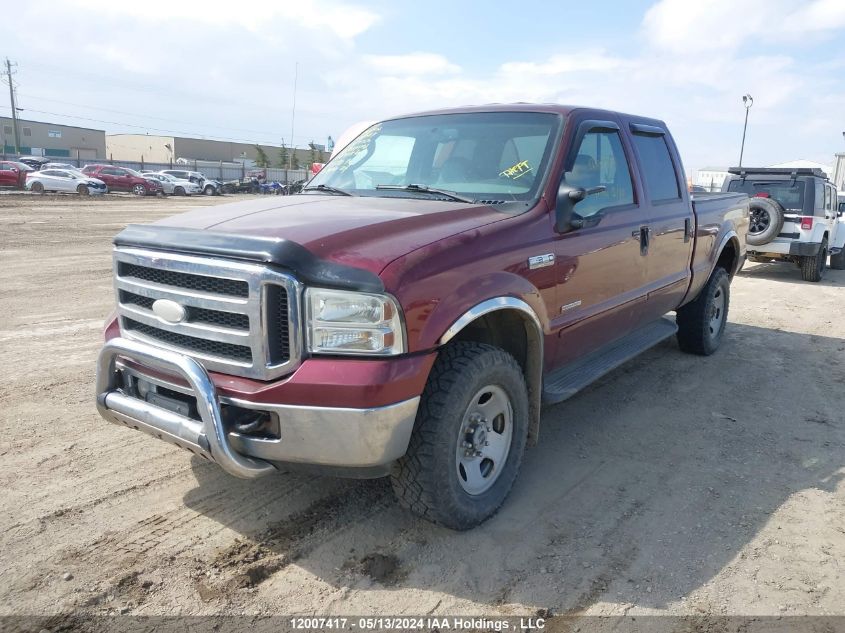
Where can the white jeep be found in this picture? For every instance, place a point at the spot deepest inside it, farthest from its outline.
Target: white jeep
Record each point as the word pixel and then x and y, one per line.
pixel 796 217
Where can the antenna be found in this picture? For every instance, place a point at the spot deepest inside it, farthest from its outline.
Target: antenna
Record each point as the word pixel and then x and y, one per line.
pixel 293 117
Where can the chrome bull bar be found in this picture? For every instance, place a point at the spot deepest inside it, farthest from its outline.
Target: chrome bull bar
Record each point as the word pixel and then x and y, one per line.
pixel 207 437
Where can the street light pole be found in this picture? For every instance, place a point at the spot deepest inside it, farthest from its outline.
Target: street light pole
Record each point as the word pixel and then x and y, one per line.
pixel 747 101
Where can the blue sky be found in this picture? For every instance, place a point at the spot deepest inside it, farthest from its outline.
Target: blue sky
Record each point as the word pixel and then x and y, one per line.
pixel 206 69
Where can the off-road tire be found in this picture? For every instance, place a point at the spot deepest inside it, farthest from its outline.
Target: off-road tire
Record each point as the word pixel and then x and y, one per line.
pixel 695 334
pixel 812 268
pixel 837 262
pixel 425 479
pixel 766 221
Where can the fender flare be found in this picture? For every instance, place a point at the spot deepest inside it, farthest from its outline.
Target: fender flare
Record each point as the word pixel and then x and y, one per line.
pixel 534 356
pixel 740 252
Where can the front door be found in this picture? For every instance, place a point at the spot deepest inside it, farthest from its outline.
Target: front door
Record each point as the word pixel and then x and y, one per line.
pixel 601 266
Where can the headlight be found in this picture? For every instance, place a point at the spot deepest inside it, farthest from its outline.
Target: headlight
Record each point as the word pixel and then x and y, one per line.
pixel 346 322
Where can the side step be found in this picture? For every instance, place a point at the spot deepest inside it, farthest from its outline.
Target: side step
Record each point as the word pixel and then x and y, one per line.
pixel 565 382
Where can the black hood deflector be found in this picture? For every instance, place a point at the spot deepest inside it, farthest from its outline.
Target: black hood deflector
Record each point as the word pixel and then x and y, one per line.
pixel 290 256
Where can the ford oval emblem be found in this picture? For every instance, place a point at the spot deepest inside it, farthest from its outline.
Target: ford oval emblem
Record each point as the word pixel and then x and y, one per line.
pixel 169 311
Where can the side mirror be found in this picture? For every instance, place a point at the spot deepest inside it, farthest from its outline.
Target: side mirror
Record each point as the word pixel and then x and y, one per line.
pixel 566 219
pixel 841 209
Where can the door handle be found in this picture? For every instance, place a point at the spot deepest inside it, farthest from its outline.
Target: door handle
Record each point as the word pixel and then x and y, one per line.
pixel 644 236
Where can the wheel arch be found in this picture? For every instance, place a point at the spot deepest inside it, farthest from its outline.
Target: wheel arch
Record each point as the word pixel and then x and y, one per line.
pixel 494 321
pixel 729 254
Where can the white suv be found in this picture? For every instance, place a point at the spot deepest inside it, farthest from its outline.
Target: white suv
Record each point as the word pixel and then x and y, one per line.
pixel 795 217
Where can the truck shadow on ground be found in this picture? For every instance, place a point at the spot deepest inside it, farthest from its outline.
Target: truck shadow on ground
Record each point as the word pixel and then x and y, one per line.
pixel 643 488
pixel 790 273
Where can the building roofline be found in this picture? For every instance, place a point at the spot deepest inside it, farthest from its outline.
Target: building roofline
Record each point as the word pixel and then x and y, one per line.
pixel 76 127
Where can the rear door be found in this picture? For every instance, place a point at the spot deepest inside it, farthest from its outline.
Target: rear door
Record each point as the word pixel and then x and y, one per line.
pixel 670 219
pixel 601 269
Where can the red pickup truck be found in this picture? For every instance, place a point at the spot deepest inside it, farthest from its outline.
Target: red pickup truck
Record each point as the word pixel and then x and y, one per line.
pixel 408 314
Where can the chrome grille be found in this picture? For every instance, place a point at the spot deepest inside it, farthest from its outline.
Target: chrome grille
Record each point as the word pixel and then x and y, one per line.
pixel 240 318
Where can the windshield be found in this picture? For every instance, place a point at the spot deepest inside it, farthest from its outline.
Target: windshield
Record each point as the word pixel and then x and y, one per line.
pixel 489 156
pixel 788 192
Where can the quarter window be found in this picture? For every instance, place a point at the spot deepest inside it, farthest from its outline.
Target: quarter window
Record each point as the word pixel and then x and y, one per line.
pixel 601 162
pixel 657 167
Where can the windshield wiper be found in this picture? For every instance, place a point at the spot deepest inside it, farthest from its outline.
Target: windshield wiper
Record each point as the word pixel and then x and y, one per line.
pixel 329 189
pixel 426 189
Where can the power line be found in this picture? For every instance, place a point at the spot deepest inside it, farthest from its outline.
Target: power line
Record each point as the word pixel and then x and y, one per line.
pixel 144 127
pixel 134 114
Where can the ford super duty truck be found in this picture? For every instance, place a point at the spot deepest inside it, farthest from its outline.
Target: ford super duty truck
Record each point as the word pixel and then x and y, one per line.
pixel 407 315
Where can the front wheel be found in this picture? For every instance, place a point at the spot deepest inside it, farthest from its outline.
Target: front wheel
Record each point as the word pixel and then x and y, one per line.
pixel 812 268
pixel 139 190
pixel 82 190
pixel 701 322
pixel 469 437
pixel 209 190
pixel 37 187
pixel 837 262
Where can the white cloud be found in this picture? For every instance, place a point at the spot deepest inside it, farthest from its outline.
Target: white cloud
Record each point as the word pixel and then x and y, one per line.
pixel 587 61
pixel 724 26
pixel 411 64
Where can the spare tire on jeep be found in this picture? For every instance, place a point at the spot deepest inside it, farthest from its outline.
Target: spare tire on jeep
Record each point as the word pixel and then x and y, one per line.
pixel 766 220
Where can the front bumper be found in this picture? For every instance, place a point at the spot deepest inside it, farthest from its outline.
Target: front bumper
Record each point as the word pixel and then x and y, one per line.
pixel 335 437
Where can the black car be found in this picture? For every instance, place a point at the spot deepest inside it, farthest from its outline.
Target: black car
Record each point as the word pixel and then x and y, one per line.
pixel 36 162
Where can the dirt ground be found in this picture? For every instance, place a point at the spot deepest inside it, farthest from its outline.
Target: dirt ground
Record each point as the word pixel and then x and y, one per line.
pixel 677 484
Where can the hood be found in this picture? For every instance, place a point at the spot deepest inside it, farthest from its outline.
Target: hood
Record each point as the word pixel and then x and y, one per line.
pixel 364 232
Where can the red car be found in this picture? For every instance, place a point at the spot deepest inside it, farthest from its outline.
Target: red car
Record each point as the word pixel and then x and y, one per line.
pixel 123 179
pixel 13 174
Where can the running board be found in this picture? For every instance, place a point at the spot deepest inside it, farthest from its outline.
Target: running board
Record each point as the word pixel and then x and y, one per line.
pixel 565 382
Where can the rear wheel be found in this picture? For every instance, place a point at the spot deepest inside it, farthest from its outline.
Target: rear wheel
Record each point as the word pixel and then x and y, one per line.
pixel 37 187
pixel 82 190
pixel 701 323
pixel 469 437
pixel 139 190
pixel 812 268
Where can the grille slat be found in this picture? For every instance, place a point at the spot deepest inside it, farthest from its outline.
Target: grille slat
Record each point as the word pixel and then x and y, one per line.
pixel 226 303
pixel 191 343
pixel 201 283
pixel 233 320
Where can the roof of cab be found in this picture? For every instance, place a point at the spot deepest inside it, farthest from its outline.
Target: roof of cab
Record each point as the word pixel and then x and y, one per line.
pixel 553 108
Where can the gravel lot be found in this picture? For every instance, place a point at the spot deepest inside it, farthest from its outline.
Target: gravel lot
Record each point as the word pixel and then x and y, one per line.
pixel 675 485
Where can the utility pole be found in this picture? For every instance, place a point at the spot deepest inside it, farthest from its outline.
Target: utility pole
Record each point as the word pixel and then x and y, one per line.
pixel 14 107
pixel 293 117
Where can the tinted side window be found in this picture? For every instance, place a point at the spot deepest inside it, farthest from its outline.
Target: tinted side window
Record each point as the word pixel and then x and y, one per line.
pixel 828 198
pixel 657 168
pixel 601 162
pixel 819 206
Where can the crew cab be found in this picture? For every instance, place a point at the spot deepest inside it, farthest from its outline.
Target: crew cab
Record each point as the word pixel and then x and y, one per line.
pixel 408 314
pixel 795 217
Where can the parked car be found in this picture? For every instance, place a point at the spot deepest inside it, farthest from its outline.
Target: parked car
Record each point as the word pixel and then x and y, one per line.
pixel 36 162
pixel 383 323
pixel 64 181
pixel 59 166
pixel 13 174
pixel 174 186
pixel 795 217
pixel 123 179
pixel 209 186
